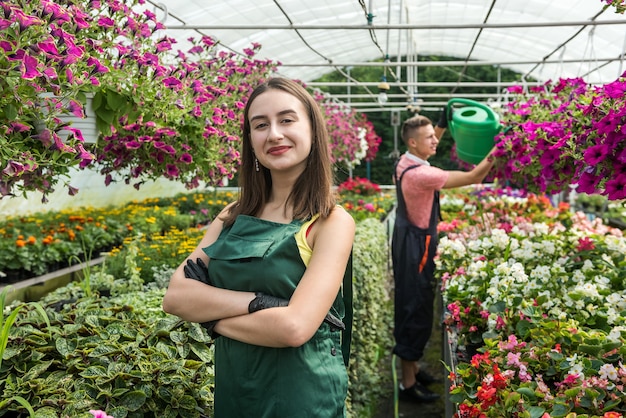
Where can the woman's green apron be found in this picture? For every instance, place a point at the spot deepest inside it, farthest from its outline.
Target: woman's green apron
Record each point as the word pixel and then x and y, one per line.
pixel 262 382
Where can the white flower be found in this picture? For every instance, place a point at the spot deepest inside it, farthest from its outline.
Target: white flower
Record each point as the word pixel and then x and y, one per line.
pixel 547 247
pixel 518 273
pixel 612 316
pixel 608 371
pixel 500 239
pixel 577 369
pixel 587 289
pixel 587 266
pixel 578 276
pixel 540 272
pixel 616 334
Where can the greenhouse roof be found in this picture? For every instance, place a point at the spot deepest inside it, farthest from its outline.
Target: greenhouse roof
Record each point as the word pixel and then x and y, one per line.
pixel 541 39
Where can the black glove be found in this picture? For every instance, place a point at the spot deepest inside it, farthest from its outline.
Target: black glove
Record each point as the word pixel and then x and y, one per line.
pixel 334 322
pixel 443 118
pixel 263 301
pixel 199 271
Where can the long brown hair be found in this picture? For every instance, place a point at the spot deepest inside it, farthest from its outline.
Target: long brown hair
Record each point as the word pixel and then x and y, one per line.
pixel 312 193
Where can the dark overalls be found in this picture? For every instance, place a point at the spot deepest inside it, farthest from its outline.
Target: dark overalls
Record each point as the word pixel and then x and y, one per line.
pixel 413 251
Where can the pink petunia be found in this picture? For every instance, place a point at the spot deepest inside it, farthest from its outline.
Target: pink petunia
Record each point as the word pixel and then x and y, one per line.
pixel 29 68
pixel 99 414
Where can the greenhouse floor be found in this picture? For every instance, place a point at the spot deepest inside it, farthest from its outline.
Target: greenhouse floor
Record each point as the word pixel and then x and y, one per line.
pixel 432 361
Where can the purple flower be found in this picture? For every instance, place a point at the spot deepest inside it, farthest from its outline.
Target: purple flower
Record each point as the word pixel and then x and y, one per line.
pixel 45 137
pixel 29 68
pixel 6 45
pixel 48 47
pixel 13 168
pixel 26 20
pixel 186 158
pixel 106 22
pixel 172 170
pixel 19 127
pixel 98 67
pixel 132 145
pixel 165 44
pixel 594 155
pixel 76 108
pixel 616 188
pixel 4 23
pixel 196 111
pixel 172 82
pixel 587 183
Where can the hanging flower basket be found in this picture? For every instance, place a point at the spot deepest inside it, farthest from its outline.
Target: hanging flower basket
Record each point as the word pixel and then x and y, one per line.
pixel 81 122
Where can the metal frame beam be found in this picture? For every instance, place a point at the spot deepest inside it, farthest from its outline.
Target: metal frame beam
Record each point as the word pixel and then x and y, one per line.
pixel 447 63
pixel 497 84
pixel 407 26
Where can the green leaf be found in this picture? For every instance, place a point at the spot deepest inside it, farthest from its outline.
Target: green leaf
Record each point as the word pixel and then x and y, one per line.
pixel 115 100
pixel 187 402
pixel 44 315
pixel 611 346
pixel 65 346
pixel 21 401
pixel 104 350
pixel 94 371
pixel 197 333
pixel 106 115
pixel 457 398
pixel 203 351
pixel 497 307
pixel 98 101
pixel 526 392
pixel 593 350
pixel 178 337
pixel 610 404
pixel 37 369
pixel 571 393
pixel 10 112
pixel 166 349
pixel 512 399
pixel 46 412
pixel 559 410
pixel 536 411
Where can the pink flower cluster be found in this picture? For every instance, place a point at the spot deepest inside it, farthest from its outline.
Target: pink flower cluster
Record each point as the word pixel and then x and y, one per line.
pixel 162 113
pixel 566 133
pixel 187 126
pixel 346 127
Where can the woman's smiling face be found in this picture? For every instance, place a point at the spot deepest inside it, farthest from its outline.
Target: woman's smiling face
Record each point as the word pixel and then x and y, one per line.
pixel 280 131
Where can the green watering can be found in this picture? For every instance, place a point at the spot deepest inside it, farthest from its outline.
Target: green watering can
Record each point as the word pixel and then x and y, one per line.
pixel 473 128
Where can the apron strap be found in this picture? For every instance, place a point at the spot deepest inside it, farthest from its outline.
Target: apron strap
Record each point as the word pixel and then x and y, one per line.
pixel 349 313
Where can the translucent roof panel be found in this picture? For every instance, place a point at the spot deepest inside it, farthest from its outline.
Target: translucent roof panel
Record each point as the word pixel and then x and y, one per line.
pixel 543 39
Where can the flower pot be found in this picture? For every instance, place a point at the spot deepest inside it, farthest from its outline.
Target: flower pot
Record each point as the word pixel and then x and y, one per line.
pixel 473 128
pixel 86 125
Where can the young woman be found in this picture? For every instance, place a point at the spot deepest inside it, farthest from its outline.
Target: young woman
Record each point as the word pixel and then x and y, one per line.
pixel 276 260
